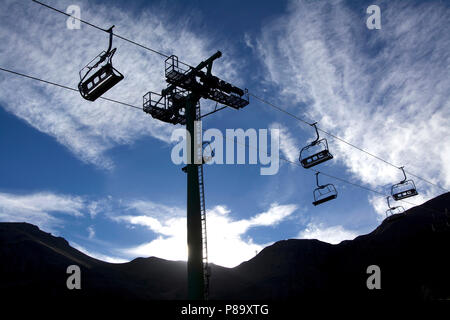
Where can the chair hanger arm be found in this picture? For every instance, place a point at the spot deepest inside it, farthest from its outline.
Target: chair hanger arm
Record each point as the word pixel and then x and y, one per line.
pixel 317 133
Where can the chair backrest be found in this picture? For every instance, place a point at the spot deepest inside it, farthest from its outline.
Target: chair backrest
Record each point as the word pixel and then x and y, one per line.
pixel 404 189
pixel 314 154
pixel 324 193
pixel 98 83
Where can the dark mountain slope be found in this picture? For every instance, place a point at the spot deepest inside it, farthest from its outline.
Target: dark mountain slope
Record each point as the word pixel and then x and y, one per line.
pixel 411 249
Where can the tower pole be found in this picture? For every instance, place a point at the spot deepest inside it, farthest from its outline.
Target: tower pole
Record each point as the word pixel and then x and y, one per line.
pixel 194 223
pixel 185 89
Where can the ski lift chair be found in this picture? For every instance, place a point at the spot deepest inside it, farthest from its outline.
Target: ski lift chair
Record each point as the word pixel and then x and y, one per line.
pixel 323 193
pixel 316 152
pixel 393 210
pixel 98 77
pixel 404 189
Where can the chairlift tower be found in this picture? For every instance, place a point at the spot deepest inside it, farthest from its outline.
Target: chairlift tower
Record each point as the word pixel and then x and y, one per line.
pixel 179 103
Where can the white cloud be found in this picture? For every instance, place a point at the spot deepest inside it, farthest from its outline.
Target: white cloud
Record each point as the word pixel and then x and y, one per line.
pixel 35 41
pixel 97 255
pixel 383 90
pixel 91 232
pixel 288 145
pixel 39 208
pixel 227 244
pixel 273 216
pixel 95 207
pixel 248 41
pixel 150 208
pixel 333 234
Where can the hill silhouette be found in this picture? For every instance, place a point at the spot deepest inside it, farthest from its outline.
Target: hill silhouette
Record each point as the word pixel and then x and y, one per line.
pixel 411 250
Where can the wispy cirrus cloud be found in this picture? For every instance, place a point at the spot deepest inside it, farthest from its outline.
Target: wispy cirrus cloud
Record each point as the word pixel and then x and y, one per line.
pixel 383 90
pixel 35 41
pixel 288 144
pixel 91 232
pixel 43 209
pixel 49 211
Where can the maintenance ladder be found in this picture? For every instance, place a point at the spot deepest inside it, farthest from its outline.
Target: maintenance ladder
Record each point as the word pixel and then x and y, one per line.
pixel 201 185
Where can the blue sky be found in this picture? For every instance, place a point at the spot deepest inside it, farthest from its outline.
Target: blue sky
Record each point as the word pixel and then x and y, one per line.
pixel 100 174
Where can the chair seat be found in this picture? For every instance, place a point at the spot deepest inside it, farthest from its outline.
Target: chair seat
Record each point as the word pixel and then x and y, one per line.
pixel 331 197
pixel 405 194
pixel 315 159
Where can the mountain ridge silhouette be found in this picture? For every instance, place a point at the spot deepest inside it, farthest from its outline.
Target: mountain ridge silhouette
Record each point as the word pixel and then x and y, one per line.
pixel 409 248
